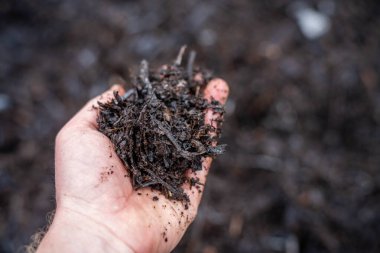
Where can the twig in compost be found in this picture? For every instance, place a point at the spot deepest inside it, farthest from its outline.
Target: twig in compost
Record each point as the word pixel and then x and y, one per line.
pixel 190 64
pixel 178 60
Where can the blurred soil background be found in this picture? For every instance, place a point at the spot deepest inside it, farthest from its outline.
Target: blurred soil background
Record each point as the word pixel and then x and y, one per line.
pixel 302 169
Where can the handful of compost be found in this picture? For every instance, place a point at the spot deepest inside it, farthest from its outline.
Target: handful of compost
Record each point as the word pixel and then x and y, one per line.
pixel 158 128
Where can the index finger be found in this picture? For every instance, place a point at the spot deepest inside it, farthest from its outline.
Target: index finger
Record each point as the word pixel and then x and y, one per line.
pixel 218 90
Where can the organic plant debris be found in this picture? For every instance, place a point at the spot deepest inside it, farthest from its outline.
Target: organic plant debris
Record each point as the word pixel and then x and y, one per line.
pixel 158 128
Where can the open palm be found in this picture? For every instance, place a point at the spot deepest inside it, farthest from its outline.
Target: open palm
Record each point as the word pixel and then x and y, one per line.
pixel 92 186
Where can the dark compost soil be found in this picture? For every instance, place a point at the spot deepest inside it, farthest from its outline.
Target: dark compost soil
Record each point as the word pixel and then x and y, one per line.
pixel 301 172
pixel 158 128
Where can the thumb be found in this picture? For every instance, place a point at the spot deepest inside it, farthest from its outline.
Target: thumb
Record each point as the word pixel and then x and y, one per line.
pixel 86 117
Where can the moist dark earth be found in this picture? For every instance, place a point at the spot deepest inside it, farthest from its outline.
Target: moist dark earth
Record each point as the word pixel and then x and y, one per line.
pixel 302 125
pixel 158 128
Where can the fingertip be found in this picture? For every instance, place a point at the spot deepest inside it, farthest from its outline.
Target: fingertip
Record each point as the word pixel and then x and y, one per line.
pixel 217 89
pixel 86 117
pixel 118 88
pixel 109 94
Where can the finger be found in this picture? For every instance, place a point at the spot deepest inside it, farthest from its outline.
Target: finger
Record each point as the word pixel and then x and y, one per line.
pixel 216 89
pixel 86 117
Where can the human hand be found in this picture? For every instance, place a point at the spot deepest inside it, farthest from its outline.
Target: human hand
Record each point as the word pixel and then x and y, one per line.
pixel 97 209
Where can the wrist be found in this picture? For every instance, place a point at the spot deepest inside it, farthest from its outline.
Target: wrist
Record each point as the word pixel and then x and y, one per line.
pixel 75 232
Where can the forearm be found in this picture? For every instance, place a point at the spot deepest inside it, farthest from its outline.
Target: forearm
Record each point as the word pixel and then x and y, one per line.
pixel 74 232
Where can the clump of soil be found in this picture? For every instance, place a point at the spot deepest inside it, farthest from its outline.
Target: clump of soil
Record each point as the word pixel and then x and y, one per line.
pixel 158 128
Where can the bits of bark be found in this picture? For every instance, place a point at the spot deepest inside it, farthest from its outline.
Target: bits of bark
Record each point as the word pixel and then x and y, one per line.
pixel 158 128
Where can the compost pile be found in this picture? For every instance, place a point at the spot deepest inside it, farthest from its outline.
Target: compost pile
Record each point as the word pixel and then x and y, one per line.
pixel 158 128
